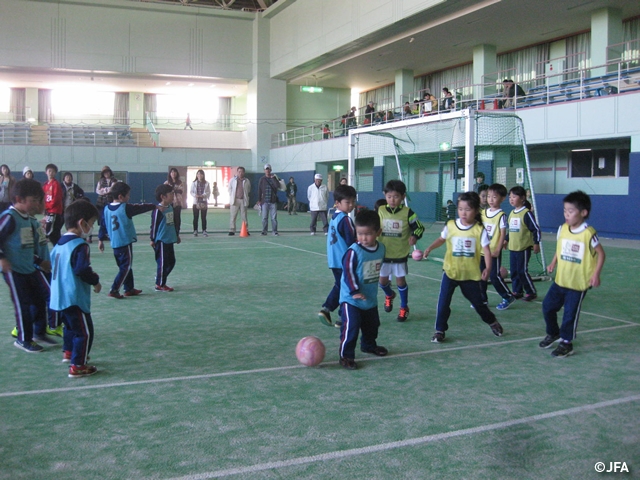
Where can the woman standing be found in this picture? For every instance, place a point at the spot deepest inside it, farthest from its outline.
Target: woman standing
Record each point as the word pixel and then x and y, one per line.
pixel 200 191
pixel 179 201
pixel 6 185
pixel 103 188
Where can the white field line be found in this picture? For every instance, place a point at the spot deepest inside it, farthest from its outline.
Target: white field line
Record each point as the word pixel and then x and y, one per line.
pixel 287 367
pixel 410 442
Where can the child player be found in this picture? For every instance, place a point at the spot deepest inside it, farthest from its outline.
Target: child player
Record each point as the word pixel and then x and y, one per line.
pixel 163 235
pixel 524 235
pixel 342 233
pixel 495 223
pixel 71 283
pixel 53 204
pixel 483 192
pixel 401 229
pixel 359 291
pixel 465 239
pixel 20 252
pixel 118 225
pixel 579 257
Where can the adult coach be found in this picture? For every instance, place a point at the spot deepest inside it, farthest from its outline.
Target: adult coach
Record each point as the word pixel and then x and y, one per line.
pixel 318 197
pixel 268 187
pixel 239 190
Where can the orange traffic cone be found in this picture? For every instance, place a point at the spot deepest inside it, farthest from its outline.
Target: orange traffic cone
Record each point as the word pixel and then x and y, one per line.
pixel 243 231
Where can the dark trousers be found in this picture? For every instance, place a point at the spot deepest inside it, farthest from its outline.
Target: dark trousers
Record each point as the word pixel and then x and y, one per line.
pixel 203 216
pixel 556 298
pixel 166 260
pixel 354 320
pixel 29 293
pixel 124 260
pixel 471 290
pixel 53 227
pixel 333 299
pixel 520 278
pixel 314 220
pixel 177 219
pixel 78 334
pixel 496 280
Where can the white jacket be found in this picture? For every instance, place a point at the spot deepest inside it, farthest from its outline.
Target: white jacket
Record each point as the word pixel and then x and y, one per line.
pixel 233 184
pixel 207 191
pixel 318 197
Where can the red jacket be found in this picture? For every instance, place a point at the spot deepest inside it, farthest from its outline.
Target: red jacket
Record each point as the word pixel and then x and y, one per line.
pixel 53 197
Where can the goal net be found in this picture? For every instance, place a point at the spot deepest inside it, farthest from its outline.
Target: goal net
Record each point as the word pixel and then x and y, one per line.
pixel 439 157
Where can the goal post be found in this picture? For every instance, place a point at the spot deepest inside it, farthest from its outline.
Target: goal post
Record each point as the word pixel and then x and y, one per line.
pixel 438 157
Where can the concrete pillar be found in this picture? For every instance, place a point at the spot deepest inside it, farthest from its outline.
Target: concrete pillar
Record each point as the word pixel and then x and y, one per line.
pixel 606 29
pixel 484 70
pixel 404 87
pixel 266 99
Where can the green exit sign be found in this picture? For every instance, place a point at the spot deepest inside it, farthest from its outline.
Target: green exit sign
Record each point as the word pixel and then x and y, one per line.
pixel 209 163
pixel 307 89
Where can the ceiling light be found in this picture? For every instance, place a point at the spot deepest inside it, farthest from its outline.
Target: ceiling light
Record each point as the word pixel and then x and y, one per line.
pixel 168 83
pixel 190 85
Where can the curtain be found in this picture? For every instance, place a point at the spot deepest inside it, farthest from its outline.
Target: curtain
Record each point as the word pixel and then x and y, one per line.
pixel 121 108
pixel 578 50
pixel 150 106
pixel 224 112
pixel 45 114
pixel 458 80
pixel 631 35
pixel 383 98
pixel 18 100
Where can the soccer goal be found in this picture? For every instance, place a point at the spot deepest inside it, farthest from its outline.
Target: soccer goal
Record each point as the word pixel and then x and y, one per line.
pixel 440 156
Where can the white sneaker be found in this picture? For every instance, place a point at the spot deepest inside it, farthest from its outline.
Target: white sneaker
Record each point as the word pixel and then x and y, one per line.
pixel 312 233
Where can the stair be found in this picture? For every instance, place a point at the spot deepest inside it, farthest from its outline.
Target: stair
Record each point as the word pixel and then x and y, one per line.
pixel 142 137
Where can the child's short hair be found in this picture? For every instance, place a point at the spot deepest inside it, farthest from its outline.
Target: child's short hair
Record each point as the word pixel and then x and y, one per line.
pixel 119 189
pixel 79 210
pixel 344 192
pixel 518 191
pixel 580 200
pixel 27 188
pixel 483 187
pixel 67 174
pixel 368 218
pixel 479 175
pixel 473 200
pixel 379 203
pixel 449 202
pixel 499 189
pixel 397 186
pixel 51 165
pixel 161 190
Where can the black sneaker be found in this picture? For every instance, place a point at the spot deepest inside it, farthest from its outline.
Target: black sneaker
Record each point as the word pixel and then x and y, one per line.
pixel 388 302
pixel 377 350
pixel 264 234
pixel 529 297
pixel 563 350
pixel 30 347
pixel 518 296
pixel 548 341
pixel 496 328
pixel 348 363
pixel 231 234
pixel 438 337
pixel 338 323
pixel 325 317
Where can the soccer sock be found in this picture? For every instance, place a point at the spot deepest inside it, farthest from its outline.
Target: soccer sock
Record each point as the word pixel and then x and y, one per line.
pixel 404 296
pixel 387 289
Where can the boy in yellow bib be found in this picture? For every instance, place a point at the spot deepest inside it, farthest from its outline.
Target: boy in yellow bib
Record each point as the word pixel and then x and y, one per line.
pixel 579 257
pixel 465 239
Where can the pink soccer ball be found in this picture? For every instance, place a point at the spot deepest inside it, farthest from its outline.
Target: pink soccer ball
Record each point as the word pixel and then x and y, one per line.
pixel 417 255
pixel 310 351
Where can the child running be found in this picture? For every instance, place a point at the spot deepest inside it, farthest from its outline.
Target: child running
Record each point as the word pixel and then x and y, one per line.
pixel 117 224
pixel 524 236
pixel 71 283
pixel 359 291
pixel 465 239
pixel 20 252
pixel 162 236
pixel 401 230
pixel 579 257
pixel 495 222
pixel 342 234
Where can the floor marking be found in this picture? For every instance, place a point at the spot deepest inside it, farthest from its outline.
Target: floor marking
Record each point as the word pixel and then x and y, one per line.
pixel 299 249
pixel 411 442
pixel 444 349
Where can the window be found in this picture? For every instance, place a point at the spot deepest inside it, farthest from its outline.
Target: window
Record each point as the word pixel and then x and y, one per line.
pixel 609 162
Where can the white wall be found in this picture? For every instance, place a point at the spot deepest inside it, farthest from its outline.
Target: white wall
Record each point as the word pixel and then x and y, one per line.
pixel 125 37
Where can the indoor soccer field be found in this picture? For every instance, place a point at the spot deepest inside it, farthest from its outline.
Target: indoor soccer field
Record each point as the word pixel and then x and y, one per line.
pixel 203 382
